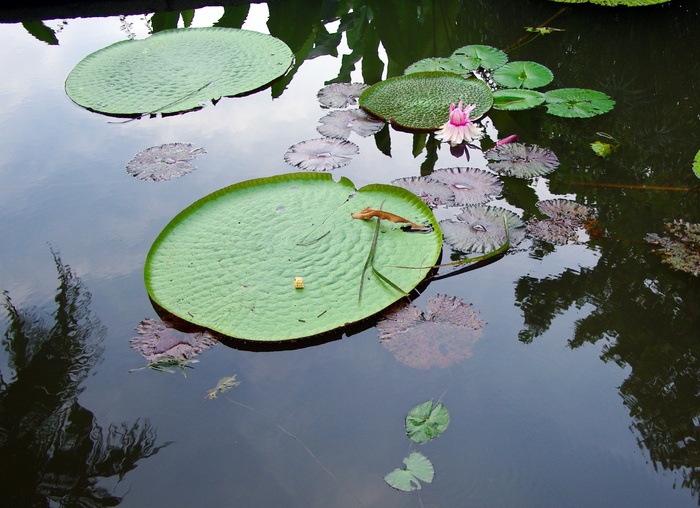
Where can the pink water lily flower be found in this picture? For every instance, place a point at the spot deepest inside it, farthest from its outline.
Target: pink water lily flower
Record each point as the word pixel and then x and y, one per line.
pixel 459 128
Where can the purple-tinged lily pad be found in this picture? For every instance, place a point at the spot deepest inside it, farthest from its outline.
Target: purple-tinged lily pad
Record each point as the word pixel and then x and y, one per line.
pixel 682 249
pixel 340 123
pixel 482 229
pixel 567 219
pixel 340 95
pixel 163 162
pixel 432 193
pixel 471 186
pixel 521 160
pixel 158 340
pixel 444 335
pixel 321 154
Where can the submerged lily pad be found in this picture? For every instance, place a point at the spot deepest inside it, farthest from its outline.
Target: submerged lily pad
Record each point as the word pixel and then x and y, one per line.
pixel 321 154
pixel 477 55
pixel 577 102
pixel 523 75
pixel 163 162
pixel 482 229
pixel 342 122
pixel 418 469
pixel 426 421
pixel 681 250
pixel 444 335
pixel 521 160
pixel 514 99
pixel 431 192
pixel 340 95
pixel 471 186
pixel 231 261
pixel 176 70
pixel 158 340
pixel 421 100
pixel 566 221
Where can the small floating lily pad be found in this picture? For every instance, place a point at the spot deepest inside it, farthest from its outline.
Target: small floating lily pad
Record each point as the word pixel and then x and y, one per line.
pixel 482 229
pixel 521 160
pixel 158 340
pixel 340 123
pixel 523 75
pixel 566 220
pixel 176 70
pixel 340 95
pixel 426 421
pixel 577 102
pixel 514 99
pixel 478 55
pixel 418 469
pixel 321 154
pixel 421 100
pixel 230 262
pixel 163 162
pixel 431 192
pixel 471 186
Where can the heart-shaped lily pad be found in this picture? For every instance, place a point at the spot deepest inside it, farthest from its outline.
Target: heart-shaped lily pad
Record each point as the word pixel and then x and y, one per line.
pixel 515 99
pixel 176 70
pixel 523 75
pixel 577 102
pixel 479 55
pixel 421 100
pixel 281 258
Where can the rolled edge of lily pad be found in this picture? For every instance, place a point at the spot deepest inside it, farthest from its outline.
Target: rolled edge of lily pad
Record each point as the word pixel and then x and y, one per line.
pixel 459 128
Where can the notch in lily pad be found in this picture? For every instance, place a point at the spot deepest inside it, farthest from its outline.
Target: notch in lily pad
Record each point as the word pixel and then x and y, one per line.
pixel 418 469
pixel 426 421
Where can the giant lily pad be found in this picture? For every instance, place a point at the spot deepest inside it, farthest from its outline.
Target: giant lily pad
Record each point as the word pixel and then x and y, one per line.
pixel 421 100
pixel 281 258
pixel 176 70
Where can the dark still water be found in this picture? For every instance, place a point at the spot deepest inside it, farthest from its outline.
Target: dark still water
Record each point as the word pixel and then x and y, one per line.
pixel 582 389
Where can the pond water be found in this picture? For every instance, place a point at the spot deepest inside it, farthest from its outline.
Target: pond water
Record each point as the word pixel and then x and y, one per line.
pixel 583 390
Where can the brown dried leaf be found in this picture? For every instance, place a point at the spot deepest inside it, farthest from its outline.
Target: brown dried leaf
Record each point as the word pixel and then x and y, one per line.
pixel 369 213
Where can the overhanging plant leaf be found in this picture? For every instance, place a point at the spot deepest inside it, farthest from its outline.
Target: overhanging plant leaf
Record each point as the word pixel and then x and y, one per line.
pixel 418 469
pixel 229 262
pixel 514 99
pixel 523 75
pixel 421 100
pixel 696 164
pixel 176 70
pixel 477 55
pixel 577 102
pixel 426 421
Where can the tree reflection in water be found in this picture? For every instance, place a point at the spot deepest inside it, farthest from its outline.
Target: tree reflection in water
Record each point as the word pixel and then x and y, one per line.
pixel 52 450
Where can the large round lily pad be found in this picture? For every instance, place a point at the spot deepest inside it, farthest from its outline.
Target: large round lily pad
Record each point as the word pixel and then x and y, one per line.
pixel 231 261
pixel 176 70
pixel 421 100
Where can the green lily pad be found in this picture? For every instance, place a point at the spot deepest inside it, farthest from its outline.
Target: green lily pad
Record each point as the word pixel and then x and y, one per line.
pixel 176 70
pixel 615 3
pixel 577 102
pixel 477 55
pixel 515 99
pixel 425 421
pixel 418 468
pixel 523 75
pixel 438 64
pixel 696 164
pixel 281 258
pixel 421 100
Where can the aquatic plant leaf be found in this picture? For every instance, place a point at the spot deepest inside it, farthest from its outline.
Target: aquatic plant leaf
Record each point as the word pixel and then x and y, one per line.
pixel 470 186
pixel 523 75
pixel 696 164
pixel 321 154
pixel 615 3
pixel 224 385
pixel 438 64
pixel 560 208
pixel 602 149
pixel 577 102
pixel 514 99
pixel 421 100
pixel 477 55
pixel 340 95
pixel 228 262
pixel 164 364
pixel 521 160
pixel 418 469
pixel 681 250
pixel 176 70
pixel 431 192
pixel 426 421
pixel 444 335
pixel 567 219
pixel 340 123
pixel 482 229
pixel 158 340
pixel 163 162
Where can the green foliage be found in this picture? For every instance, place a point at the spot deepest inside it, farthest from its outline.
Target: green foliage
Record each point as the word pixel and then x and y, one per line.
pixel 224 385
pixel 513 99
pixel 418 467
pixel 523 75
pixel 615 3
pixel 477 55
pixel 577 102
pixel 425 421
pixel 696 164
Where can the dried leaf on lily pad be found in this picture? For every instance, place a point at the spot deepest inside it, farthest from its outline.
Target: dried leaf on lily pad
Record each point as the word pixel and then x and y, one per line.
pixel 482 229
pixel 158 340
pixel 521 160
pixel 444 335
pixel 432 193
pixel 163 162
pixel 340 95
pixel 340 123
pixel 567 219
pixel 321 154
pixel 418 469
pixel 471 186
pixel 682 249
